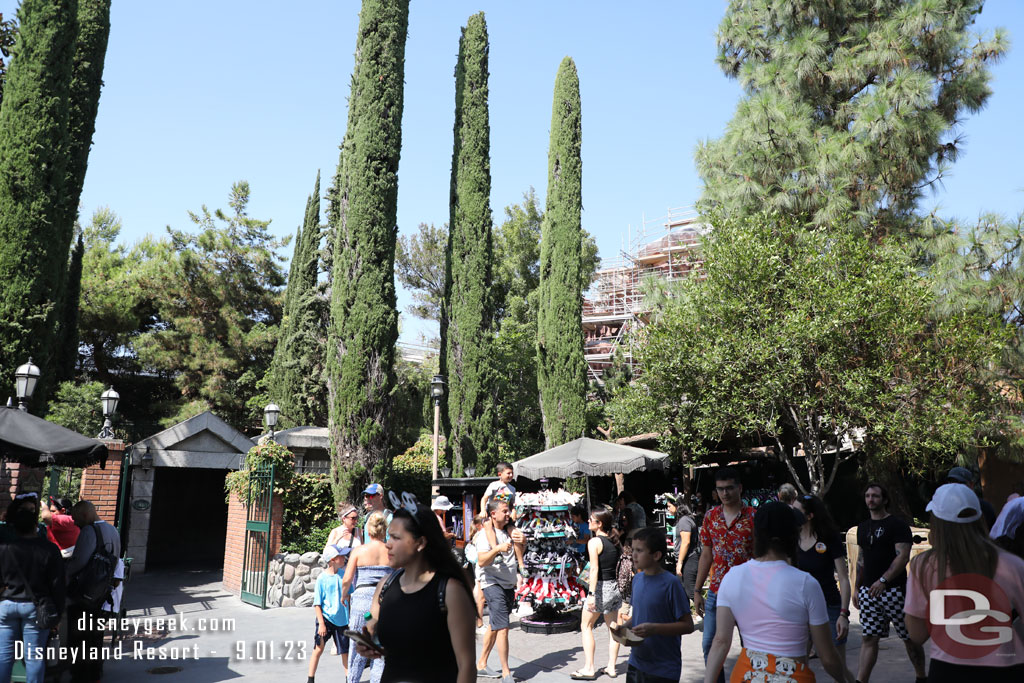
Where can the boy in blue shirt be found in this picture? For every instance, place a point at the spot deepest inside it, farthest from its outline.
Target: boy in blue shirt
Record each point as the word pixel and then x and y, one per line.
pixel 330 608
pixel 661 613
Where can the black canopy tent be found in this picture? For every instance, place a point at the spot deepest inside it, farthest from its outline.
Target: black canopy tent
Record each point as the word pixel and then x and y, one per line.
pixel 35 442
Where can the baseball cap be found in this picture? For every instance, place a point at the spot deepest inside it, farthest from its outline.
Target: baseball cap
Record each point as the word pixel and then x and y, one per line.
pixel 333 551
pixel 373 490
pixel 962 475
pixel 441 503
pixel 1010 519
pixel 955 503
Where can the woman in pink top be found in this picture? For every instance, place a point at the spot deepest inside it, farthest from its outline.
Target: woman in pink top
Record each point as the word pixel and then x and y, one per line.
pixel 777 608
pixel 979 576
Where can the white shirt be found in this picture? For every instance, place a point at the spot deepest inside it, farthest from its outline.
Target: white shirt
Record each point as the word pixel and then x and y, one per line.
pixel 502 569
pixel 773 603
pixel 497 488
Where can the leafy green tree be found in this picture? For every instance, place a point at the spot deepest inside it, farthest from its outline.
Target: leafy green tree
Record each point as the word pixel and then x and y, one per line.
pixel 219 307
pixel 850 107
pixel 34 243
pixel 364 202
pixel 561 369
pixel 467 311
pixel 419 266
pixel 296 376
pixel 76 405
pixel 812 337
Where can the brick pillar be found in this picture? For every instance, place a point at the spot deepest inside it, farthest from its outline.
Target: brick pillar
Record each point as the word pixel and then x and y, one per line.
pixel 16 478
pixel 100 486
pixel 234 545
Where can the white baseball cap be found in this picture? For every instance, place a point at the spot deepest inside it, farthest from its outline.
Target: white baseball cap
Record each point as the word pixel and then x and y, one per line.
pixel 955 503
pixel 333 551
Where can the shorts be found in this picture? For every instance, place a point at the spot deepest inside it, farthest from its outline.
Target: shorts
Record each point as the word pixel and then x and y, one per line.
pixel 334 632
pixel 877 612
pixel 635 675
pixel 833 615
pixel 607 597
pixel 500 603
pixel 756 666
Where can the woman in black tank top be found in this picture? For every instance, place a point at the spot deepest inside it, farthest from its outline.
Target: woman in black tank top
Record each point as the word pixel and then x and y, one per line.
pixel 603 596
pixel 423 614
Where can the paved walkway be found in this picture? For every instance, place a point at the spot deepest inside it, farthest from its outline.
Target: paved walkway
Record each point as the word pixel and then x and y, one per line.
pixel 234 640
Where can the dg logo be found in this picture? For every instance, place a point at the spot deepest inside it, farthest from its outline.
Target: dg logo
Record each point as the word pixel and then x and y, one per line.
pixel 969 616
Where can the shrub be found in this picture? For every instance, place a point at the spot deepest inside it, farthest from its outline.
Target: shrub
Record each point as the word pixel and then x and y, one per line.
pixel 411 470
pixel 313 540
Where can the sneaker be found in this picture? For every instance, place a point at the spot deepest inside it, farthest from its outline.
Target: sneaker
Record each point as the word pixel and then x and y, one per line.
pixel 481 630
pixel 507 679
pixel 487 672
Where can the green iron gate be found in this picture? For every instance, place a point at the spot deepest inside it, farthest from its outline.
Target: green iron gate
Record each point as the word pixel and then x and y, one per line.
pixel 256 559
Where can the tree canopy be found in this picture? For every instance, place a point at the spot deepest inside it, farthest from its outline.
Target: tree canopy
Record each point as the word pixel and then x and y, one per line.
pixel 850 107
pixel 812 337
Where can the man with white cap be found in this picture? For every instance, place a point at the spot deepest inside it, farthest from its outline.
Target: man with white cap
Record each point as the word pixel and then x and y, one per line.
pixel 440 506
pixel 976 578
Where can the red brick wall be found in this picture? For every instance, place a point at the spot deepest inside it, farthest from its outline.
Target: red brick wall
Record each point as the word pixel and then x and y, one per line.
pixel 100 486
pixel 234 546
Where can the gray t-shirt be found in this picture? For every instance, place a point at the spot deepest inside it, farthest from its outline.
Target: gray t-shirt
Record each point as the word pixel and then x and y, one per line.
pixel 502 570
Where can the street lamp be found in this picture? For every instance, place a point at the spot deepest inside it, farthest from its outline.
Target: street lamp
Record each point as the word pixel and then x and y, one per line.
pixel 109 399
pixel 437 392
pixel 270 414
pixel 25 378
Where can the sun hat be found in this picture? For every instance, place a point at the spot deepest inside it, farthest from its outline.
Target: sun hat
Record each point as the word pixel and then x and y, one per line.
pixel 961 475
pixel 951 501
pixel 441 503
pixel 373 490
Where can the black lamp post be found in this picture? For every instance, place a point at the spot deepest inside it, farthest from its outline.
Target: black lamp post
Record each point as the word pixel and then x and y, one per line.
pixel 109 399
pixel 25 378
pixel 437 386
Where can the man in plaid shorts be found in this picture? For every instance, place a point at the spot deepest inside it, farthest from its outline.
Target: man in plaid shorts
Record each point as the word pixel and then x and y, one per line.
pixel 884 544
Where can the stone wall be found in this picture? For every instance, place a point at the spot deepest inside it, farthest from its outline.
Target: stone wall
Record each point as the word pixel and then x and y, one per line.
pixel 292 579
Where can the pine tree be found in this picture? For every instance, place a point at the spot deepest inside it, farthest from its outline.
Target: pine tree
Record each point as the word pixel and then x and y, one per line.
pixel 364 320
pixel 67 335
pixel 467 313
pixel 849 107
pixel 33 161
pixel 561 369
pixel 293 377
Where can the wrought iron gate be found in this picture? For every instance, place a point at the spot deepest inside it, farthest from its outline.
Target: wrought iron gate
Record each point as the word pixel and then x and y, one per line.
pixel 256 560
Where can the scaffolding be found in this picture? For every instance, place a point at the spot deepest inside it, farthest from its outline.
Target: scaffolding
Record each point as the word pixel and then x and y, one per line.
pixel 614 307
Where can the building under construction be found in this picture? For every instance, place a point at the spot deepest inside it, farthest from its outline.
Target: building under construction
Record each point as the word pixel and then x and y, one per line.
pixel 614 307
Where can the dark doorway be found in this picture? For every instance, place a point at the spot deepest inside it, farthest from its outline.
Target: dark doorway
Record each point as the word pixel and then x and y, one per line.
pixel 189 519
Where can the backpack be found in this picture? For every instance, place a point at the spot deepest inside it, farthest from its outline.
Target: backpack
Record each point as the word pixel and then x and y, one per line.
pixel 442 589
pixel 91 586
pixel 624 575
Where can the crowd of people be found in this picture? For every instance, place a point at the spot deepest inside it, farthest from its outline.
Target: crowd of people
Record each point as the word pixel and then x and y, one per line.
pixel 778 574
pixel 56 559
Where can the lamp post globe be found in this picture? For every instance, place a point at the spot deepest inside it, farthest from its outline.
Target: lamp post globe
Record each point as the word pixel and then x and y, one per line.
pixel 25 378
pixel 270 414
pixel 108 399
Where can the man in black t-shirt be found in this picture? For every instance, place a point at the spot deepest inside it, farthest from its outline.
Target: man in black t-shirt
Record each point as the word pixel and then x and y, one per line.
pixel 884 544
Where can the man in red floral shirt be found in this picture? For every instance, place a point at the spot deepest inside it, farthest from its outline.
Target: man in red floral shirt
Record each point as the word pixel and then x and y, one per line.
pixel 727 535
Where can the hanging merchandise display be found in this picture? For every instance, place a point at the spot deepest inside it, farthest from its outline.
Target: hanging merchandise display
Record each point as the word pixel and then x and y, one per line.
pixel 551 564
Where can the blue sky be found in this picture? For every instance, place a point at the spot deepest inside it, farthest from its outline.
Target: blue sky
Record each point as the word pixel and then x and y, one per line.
pixel 198 95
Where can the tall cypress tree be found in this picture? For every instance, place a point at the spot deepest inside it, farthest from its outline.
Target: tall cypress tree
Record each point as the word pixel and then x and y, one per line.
pixel 33 161
pixel 467 310
pixel 364 319
pixel 291 379
pixel 67 339
pixel 561 368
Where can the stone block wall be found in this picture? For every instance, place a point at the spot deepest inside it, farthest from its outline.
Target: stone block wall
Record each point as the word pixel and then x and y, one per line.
pixel 292 580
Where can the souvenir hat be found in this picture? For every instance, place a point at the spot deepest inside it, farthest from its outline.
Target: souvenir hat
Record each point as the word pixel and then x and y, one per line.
pixel 373 490
pixel 955 503
pixel 441 503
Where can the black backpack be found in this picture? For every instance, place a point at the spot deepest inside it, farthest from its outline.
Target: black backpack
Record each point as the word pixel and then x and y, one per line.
pixel 91 586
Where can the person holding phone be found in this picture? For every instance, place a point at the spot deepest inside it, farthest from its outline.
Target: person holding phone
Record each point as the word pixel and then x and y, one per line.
pixel 423 613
